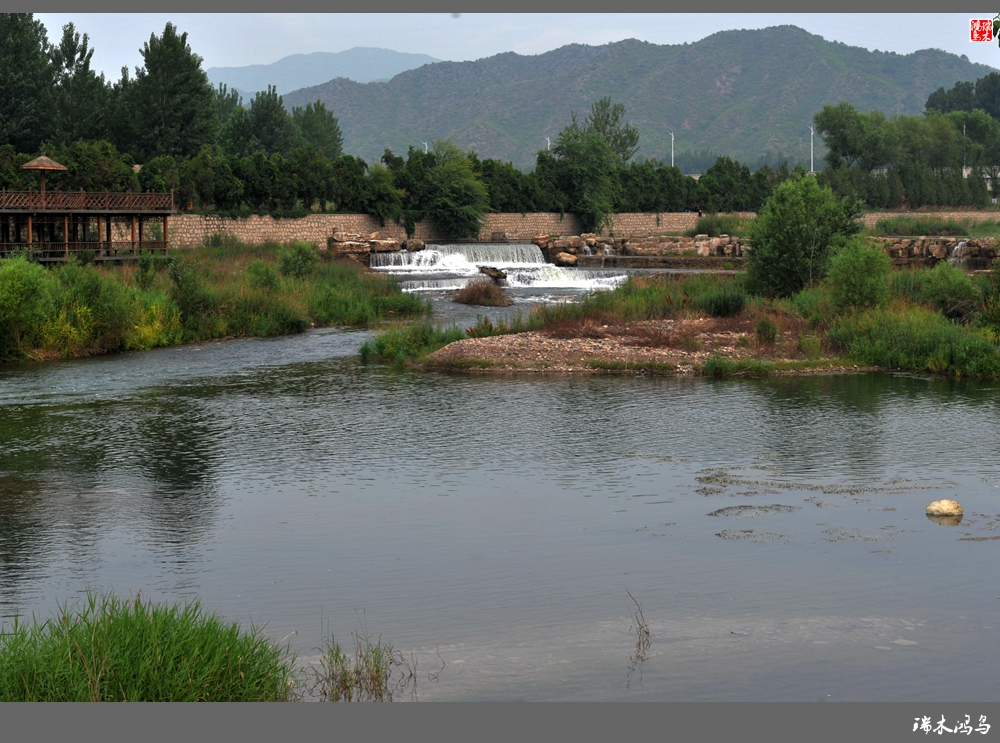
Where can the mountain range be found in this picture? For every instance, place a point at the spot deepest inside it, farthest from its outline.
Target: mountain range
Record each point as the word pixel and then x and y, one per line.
pixel 361 64
pixel 742 92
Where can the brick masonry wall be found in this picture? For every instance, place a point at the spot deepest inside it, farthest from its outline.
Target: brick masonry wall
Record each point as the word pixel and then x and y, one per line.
pixel 190 230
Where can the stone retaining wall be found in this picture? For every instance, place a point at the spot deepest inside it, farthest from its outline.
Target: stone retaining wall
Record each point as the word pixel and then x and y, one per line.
pixel 190 230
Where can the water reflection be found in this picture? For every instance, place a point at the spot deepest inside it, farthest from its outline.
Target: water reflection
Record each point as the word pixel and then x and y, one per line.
pixel 277 479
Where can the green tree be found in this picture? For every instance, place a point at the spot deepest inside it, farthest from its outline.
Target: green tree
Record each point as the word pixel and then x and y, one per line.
pixel 381 198
pixel 607 121
pixel 26 82
pixel 791 239
pixel 173 103
pixel 92 166
pixel 236 137
pixel 272 125
pixel 582 167
pixel 82 97
pixel 457 200
pixel 319 128
pixel 227 101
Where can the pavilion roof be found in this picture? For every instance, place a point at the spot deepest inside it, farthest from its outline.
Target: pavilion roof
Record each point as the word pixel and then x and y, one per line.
pixel 43 163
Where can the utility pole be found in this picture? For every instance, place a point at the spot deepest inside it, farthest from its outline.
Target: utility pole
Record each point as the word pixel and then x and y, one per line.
pixel 811 132
pixel 671 149
pixel 546 143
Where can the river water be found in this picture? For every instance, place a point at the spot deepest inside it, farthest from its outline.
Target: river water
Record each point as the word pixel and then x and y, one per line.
pixel 494 527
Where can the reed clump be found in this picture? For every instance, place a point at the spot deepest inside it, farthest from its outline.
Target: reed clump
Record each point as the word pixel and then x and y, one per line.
pixel 483 292
pixel 138 651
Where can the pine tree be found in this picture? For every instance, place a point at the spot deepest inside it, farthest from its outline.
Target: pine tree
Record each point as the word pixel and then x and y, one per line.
pixel 26 77
pixel 173 101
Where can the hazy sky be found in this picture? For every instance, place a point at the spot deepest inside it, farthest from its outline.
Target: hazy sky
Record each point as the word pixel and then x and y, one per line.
pixel 230 40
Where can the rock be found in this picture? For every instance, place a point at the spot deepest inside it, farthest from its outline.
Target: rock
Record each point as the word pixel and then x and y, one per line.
pixel 383 246
pixel 413 245
pixel 494 273
pixel 944 507
pixel 347 248
pixel 565 259
pixel 541 241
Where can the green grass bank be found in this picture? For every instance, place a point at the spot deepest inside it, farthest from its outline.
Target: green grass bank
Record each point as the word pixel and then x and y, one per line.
pixel 221 290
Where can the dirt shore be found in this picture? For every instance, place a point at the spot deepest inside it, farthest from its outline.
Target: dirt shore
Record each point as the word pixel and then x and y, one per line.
pixel 671 347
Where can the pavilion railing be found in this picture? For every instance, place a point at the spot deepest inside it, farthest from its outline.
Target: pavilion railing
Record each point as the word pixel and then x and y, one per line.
pixel 102 201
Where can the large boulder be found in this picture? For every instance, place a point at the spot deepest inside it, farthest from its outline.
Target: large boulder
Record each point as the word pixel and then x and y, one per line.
pixel 565 259
pixel 413 245
pixel 384 246
pixel 348 248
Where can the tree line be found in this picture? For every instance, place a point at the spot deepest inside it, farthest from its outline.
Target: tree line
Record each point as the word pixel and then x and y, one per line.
pixel 220 155
pixel 950 156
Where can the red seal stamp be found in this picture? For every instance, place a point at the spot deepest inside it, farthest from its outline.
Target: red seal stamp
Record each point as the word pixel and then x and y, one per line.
pixel 981 29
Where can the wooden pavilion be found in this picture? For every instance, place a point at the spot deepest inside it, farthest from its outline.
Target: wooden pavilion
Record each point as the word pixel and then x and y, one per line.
pixel 55 225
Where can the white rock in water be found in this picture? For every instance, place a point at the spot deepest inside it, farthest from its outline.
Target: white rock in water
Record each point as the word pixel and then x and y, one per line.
pixel 944 508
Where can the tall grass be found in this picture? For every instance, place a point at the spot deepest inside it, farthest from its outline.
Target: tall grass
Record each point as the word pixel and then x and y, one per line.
pixel 402 344
pixel 136 651
pixel 916 226
pixel 714 225
pixel 916 339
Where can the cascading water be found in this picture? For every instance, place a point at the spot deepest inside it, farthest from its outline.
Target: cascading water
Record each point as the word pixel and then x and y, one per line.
pixel 958 254
pixel 440 267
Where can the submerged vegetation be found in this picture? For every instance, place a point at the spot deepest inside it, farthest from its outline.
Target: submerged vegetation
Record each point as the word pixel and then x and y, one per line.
pixel 221 290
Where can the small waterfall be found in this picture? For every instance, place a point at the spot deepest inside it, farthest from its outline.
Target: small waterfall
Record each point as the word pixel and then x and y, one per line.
pixel 608 250
pixel 586 250
pixel 958 254
pixel 444 267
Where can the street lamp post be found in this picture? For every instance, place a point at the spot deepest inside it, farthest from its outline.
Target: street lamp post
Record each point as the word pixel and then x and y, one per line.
pixel 811 168
pixel 425 146
pixel 546 143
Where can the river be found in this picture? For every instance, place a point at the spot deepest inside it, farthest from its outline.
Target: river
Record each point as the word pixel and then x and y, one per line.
pixel 496 528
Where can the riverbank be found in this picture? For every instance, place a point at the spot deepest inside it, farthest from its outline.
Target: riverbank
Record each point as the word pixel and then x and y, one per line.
pixel 219 291
pixel 941 321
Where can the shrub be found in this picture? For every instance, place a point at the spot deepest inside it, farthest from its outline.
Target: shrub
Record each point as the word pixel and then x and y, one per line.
pixel 262 276
pixel 916 339
pixel 859 275
pixel 791 238
pixel 484 292
pixel 137 651
pixel 25 303
pixel 298 260
pixel 949 289
pixel 767 331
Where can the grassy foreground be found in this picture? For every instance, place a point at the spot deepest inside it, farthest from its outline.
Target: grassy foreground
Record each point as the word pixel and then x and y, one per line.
pixel 218 291
pixel 113 650
pixel 940 320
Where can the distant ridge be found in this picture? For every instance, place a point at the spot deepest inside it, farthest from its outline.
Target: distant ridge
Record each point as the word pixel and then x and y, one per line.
pixel 360 64
pixel 743 93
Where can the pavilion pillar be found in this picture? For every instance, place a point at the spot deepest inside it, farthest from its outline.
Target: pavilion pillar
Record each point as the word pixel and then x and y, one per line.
pixel 66 236
pixel 166 244
pixel 133 230
pixel 29 231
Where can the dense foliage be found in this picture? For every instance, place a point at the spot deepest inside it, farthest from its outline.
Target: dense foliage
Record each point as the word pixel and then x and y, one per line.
pixel 221 155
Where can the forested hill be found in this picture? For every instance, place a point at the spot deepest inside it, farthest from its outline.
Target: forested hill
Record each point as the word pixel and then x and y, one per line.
pixel 741 93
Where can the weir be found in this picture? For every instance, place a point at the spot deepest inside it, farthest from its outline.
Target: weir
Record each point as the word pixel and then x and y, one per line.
pixel 443 267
